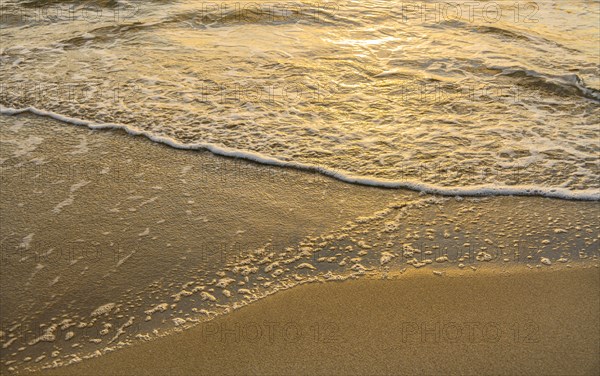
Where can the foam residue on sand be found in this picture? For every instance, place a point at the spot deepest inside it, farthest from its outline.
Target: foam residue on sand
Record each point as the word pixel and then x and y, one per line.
pixel 393 240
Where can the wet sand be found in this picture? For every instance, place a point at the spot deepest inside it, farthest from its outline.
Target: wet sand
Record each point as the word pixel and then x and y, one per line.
pixel 478 323
pixel 134 223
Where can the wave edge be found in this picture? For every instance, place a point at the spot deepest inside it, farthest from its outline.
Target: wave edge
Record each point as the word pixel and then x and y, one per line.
pixel 478 190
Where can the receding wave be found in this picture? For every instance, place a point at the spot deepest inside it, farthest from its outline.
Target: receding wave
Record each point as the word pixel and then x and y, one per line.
pixel 482 190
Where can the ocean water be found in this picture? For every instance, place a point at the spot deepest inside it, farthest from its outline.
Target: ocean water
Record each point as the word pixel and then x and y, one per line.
pixel 499 97
pixel 106 241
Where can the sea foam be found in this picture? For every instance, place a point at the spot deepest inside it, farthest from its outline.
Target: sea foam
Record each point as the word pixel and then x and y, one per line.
pixel 475 190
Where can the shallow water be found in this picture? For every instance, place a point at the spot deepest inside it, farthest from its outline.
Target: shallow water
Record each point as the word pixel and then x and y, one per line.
pixel 503 96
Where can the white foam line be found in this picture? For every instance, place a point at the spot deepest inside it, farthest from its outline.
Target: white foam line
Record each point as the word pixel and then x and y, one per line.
pixel 479 190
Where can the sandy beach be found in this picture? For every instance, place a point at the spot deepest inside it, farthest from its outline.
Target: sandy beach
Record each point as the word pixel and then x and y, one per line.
pixel 483 323
pixel 371 187
pixel 501 285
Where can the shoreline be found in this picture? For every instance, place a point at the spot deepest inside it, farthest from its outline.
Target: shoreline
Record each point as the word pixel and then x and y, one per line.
pixel 544 321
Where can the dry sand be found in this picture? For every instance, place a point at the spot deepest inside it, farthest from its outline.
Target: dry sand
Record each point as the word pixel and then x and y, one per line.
pixel 522 322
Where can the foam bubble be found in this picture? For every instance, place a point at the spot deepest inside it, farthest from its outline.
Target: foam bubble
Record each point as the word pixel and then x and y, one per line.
pixel 103 309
